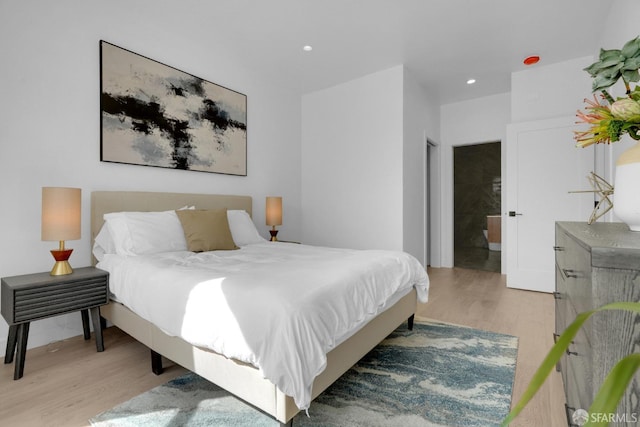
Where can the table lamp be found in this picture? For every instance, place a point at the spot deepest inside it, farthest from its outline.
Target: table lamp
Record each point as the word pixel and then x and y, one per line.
pixel 61 210
pixel 274 215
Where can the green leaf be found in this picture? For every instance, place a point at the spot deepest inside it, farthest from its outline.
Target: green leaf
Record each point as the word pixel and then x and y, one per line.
pixel 612 71
pixel 610 53
pixel 556 352
pixel 602 82
pixel 613 387
pixel 598 66
pixel 632 63
pixel 613 62
pixel 631 75
pixel 631 48
pixel 593 69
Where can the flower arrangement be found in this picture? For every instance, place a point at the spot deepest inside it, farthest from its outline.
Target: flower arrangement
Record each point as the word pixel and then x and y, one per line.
pixel 612 118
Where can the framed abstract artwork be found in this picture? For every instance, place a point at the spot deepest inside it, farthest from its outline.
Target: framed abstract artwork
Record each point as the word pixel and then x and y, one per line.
pixel 152 114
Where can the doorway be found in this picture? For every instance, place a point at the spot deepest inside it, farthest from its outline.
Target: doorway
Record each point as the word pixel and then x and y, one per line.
pixel 477 192
pixel 431 197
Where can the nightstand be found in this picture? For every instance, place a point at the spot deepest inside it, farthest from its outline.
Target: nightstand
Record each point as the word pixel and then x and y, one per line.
pixel 38 296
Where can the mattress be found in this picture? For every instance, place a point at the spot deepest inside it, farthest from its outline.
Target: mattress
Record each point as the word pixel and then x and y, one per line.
pixel 278 306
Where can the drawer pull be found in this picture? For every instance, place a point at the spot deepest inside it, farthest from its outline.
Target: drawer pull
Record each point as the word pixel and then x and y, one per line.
pixel 558 248
pixel 557 295
pixel 570 273
pixel 555 337
pixel 571 353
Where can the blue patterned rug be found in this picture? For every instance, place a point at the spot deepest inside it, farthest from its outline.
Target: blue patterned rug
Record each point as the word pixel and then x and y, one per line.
pixel 436 375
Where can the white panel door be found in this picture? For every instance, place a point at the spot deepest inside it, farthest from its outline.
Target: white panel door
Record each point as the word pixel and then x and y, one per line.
pixel 543 166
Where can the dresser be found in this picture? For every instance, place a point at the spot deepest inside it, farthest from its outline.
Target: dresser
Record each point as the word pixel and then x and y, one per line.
pixel 595 265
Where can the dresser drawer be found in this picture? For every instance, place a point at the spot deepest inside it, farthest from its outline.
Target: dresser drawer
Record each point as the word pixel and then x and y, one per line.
pixel 580 363
pixel 563 255
pixel 574 264
pixel 576 362
pixel 561 299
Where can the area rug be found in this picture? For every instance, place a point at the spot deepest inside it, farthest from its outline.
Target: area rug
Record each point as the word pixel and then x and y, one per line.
pixel 436 375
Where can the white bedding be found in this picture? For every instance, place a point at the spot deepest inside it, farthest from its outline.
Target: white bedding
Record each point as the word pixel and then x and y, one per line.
pixel 278 306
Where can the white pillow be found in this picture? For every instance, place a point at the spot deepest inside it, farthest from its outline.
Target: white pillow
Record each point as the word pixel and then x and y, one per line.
pixel 103 243
pixel 243 230
pixel 137 233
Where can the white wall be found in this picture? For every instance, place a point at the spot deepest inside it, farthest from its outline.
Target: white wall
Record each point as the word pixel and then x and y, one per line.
pixel 548 91
pixel 558 90
pixel 363 163
pixel 463 123
pixel 421 121
pixel 352 163
pixel 49 133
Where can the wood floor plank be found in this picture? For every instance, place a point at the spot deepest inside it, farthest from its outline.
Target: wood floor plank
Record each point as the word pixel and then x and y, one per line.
pixel 67 382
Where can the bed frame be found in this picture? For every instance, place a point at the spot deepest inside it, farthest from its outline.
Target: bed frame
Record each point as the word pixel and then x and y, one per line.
pixel 240 379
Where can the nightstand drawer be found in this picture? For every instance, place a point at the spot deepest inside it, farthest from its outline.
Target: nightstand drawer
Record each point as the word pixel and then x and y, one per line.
pixel 37 296
pixel 39 302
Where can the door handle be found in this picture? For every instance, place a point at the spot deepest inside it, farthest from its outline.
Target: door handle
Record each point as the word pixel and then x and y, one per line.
pixel 514 213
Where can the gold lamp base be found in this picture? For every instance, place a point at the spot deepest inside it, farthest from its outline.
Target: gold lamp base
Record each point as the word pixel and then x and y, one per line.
pixel 62 266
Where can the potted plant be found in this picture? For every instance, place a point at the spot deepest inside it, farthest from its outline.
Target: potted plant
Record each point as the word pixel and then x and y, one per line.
pixel 611 119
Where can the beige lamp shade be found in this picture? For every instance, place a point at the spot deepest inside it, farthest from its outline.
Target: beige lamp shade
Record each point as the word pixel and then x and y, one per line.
pixel 61 210
pixel 274 211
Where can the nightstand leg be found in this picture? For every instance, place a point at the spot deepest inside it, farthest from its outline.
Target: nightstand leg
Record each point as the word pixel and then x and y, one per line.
pixel 21 352
pixel 97 328
pixel 11 344
pixel 85 324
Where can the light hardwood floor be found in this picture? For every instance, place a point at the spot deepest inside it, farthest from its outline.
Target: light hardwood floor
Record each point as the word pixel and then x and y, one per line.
pixel 67 382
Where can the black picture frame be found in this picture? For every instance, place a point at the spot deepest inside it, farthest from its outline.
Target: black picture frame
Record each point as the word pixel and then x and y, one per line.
pixel 152 114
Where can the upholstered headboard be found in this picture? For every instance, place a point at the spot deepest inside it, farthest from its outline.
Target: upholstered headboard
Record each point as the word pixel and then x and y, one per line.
pixel 103 202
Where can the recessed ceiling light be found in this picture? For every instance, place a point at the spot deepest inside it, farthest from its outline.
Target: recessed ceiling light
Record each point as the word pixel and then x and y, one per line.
pixel 307 48
pixel 530 60
pixel 471 81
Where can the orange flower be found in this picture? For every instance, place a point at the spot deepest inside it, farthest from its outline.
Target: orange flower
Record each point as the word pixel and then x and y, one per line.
pixel 603 127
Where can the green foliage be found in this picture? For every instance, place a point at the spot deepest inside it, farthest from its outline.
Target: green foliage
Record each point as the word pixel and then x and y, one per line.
pixel 614 64
pixel 615 129
pixel 613 387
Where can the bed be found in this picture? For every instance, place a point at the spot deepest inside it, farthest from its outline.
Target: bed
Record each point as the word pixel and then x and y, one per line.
pixel 236 376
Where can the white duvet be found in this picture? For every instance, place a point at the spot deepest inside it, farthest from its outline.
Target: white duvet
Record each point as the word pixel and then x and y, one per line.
pixel 278 306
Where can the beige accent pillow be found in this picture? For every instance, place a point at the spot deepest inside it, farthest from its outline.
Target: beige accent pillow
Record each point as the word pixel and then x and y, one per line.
pixel 206 230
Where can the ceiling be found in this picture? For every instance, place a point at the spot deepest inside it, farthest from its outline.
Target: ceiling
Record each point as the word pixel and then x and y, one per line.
pixel 442 43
